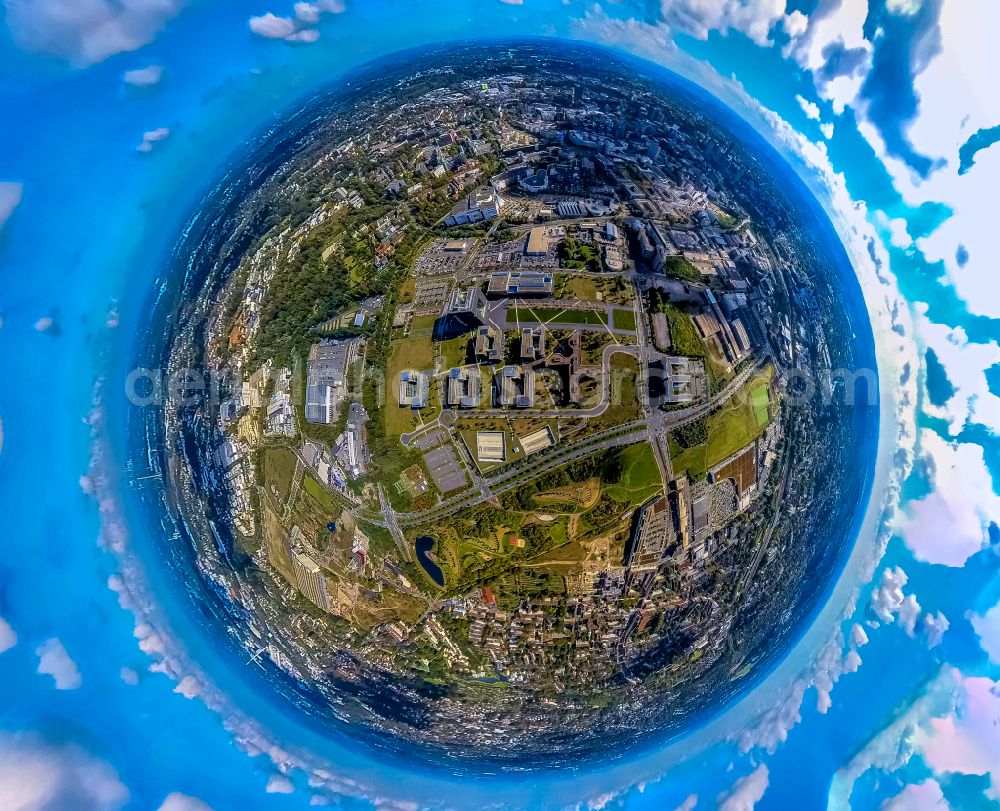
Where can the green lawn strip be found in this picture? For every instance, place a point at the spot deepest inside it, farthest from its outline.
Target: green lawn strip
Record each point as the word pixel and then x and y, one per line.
pixel 455 351
pixel 623 319
pixel 279 468
pixel 413 352
pixel 731 428
pixel 527 315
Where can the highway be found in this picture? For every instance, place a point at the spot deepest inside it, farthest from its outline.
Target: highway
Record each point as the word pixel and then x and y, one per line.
pixel 652 429
pixel 612 438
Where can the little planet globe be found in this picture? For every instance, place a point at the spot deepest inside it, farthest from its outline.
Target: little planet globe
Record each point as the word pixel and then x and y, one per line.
pixel 537 406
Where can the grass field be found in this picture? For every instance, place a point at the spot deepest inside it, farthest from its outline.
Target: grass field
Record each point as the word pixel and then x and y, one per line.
pixel 589 288
pixel 729 429
pixel 527 315
pixel 279 468
pixel 640 475
pixel 684 338
pixel 455 351
pixel 416 351
pixel 541 527
pixel 422 325
pixel 322 496
pixel 580 288
pixel 623 319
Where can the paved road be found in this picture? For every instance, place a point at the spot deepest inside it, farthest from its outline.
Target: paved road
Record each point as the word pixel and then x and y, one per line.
pixel 392 524
pixel 614 437
pixel 653 429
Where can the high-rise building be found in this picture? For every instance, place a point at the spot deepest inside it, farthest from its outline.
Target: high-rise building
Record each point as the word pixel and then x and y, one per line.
pixel 309 579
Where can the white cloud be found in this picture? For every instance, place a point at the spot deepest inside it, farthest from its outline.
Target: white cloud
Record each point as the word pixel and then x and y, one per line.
pixel 831 665
pixel 957 96
pixel 651 41
pixel 10 198
pixel 925 796
pixel 183 802
pixel 835 25
pixel 893 746
pixel 905 7
pixel 935 627
pixel 129 676
pixel 896 228
pixel 746 792
pixel 279 784
pixel 887 597
pixel 967 741
pixel 55 661
pixel 152 137
pixel 951 523
pixel 45 324
pixel 755 18
pixel 827 129
pixel 306 35
pixel 143 77
pixel 273 27
pixel 689 804
pixel 987 628
pixel 307 12
pixel 770 728
pixel 295 28
pixel 8 636
pixel 513 2
pixel 858 636
pixel 83 32
pixel 795 24
pixel 965 364
pixel 810 108
pixel 35 775
pixel 909 613
pixel 189 687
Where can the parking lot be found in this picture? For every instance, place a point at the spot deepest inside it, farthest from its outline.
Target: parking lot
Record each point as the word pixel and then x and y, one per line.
pixel 443 256
pixel 445 468
pixel 431 291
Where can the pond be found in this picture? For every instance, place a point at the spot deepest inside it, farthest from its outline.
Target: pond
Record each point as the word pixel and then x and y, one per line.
pixel 424 545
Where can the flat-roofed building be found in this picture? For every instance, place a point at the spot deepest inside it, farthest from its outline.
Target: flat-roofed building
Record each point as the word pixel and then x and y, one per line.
pixel 483 204
pixel 537 440
pixel 650 535
pixel 414 389
pixel 491 446
pixel 465 387
pixel 326 381
pixel 740 335
pixel 532 343
pixel 683 379
pixel 309 579
pixel 455 245
pixel 707 324
pixel 538 241
pixel 515 283
pixel 514 387
pixel 489 345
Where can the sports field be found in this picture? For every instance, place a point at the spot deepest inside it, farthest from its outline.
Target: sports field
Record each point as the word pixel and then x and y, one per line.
pixel 737 425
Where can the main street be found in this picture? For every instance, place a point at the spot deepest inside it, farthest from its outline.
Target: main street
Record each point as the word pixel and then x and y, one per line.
pixel 653 428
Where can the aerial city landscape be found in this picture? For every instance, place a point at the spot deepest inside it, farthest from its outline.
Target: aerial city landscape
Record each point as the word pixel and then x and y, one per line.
pixel 527 433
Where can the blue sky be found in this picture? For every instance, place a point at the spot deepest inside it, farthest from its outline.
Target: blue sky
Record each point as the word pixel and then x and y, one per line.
pixel 118 115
